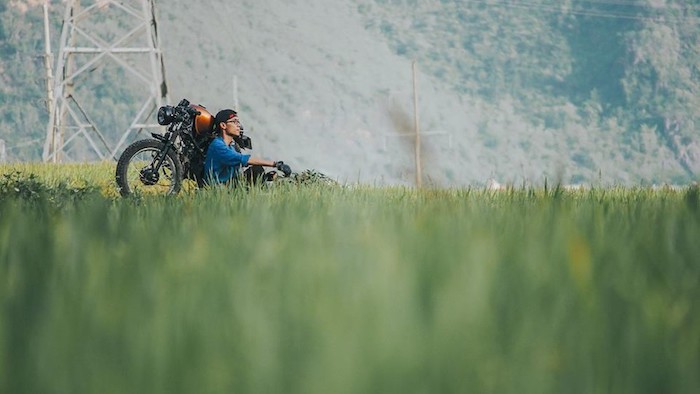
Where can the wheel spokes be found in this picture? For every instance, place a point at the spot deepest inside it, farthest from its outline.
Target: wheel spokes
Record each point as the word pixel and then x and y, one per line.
pixel 141 177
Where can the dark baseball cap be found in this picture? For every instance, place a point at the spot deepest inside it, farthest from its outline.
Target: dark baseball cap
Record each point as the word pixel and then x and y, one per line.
pixel 224 115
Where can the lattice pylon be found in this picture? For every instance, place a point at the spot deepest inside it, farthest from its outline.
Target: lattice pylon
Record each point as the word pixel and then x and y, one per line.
pixel 105 33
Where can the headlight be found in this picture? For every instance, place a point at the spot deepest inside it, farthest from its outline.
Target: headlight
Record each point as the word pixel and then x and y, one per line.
pixel 166 115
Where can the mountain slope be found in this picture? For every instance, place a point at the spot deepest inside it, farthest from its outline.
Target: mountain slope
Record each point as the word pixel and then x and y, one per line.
pixel 514 94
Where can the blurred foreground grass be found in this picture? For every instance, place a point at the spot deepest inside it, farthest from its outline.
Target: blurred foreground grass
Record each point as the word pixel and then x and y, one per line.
pixel 350 290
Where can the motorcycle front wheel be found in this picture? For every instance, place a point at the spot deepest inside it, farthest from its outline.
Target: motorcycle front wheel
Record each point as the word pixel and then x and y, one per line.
pixel 137 174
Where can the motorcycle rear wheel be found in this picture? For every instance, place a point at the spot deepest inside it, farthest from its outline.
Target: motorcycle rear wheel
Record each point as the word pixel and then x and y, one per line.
pixel 136 174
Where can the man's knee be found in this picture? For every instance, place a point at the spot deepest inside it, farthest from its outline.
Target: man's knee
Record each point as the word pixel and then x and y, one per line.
pixel 254 174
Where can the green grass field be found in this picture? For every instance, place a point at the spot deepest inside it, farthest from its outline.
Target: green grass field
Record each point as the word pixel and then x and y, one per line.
pixel 326 289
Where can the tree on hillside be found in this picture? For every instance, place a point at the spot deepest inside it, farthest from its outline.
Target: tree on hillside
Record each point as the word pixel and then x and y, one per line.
pixel 22 94
pixel 662 79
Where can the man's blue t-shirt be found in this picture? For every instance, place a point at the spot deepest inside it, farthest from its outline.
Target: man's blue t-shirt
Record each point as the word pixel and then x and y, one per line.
pixel 223 163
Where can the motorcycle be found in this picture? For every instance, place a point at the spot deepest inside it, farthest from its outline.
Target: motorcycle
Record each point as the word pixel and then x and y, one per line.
pixel 159 165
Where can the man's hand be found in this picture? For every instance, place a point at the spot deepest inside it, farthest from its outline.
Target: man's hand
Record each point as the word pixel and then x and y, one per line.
pixel 286 170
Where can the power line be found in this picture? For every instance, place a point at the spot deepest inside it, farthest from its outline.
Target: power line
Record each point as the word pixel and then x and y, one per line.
pixel 601 2
pixel 639 5
pixel 580 12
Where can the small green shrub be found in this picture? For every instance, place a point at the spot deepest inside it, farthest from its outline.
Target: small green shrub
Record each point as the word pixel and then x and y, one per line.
pixel 30 188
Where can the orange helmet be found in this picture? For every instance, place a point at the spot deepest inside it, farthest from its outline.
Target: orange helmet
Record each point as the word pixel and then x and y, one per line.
pixel 204 122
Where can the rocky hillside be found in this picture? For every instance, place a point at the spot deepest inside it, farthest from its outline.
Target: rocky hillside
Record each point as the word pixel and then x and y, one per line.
pixel 517 94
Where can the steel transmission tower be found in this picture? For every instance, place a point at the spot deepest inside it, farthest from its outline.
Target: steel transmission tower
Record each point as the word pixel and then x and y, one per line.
pixel 110 79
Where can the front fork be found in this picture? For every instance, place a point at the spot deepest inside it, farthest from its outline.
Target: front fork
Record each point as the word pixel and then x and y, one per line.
pixel 169 141
pixel 150 175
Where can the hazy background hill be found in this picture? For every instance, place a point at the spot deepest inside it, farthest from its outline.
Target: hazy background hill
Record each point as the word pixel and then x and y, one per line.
pixel 595 91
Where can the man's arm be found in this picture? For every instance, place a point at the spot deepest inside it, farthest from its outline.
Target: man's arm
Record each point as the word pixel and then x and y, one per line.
pixel 267 163
pixel 254 161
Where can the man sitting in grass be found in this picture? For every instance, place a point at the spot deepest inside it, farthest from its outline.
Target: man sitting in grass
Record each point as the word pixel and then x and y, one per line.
pixel 224 159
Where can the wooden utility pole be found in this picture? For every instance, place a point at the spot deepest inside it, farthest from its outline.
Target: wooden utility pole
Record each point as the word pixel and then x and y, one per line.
pixel 3 152
pixel 419 166
pixel 235 93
